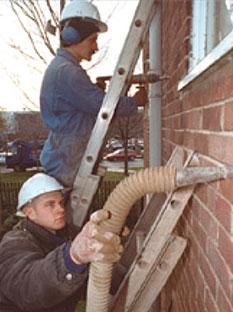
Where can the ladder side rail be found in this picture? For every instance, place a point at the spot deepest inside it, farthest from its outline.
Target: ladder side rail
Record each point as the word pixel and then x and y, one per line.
pixel 159 275
pixel 81 195
pixel 119 83
pixel 150 212
pixel 154 243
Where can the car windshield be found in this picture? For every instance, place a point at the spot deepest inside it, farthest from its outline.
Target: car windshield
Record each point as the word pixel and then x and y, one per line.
pixel 118 151
pixel 11 149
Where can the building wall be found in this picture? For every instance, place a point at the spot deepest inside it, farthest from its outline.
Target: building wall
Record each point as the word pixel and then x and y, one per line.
pixel 199 118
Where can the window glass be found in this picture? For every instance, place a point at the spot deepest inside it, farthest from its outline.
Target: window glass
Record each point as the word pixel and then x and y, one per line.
pixel 212 22
pixel 219 22
pixel 12 150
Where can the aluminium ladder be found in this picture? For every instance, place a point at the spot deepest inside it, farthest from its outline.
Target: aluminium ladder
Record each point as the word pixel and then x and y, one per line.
pixel 86 182
pixel 160 250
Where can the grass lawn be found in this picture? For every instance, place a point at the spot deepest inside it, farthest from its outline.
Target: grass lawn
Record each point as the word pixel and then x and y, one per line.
pixel 22 176
pixel 16 176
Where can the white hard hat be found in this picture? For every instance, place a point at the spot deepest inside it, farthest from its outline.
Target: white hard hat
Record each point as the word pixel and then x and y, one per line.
pixel 38 184
pixel 85 10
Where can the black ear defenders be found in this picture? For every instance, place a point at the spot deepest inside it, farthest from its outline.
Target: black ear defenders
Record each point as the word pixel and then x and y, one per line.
pixel 70 35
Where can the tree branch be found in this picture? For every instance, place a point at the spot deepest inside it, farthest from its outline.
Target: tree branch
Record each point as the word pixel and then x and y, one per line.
pixel 27 33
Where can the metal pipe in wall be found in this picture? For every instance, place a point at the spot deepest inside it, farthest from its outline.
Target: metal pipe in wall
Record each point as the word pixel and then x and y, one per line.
pixel 155 90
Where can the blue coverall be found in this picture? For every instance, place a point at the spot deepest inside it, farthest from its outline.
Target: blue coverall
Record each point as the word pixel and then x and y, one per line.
pixel 69 104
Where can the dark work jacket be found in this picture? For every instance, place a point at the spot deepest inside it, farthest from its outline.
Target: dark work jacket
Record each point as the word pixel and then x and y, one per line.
pixel 36 273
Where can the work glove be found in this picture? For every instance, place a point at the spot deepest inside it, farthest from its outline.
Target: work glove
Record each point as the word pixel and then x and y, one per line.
pixel 95 244
pixel 140 97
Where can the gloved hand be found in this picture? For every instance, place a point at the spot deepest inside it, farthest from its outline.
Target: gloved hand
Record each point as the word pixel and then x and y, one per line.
pixel 95 244
pixel 140 97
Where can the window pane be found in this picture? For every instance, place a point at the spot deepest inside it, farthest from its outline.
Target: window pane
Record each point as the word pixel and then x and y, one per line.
pixel 219 21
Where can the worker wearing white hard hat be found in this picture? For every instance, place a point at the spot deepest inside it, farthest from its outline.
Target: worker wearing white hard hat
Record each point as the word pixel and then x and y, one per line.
pixel 69 100
pixel 38 184
pixel 42 267
pixel 85 11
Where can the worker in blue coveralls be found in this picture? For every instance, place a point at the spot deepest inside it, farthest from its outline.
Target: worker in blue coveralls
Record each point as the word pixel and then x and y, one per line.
pixel 69 100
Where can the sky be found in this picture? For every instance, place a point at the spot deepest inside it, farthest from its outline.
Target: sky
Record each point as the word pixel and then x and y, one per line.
pixel 19 76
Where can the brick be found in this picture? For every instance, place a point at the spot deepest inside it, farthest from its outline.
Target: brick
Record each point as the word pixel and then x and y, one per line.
pixel 195 250
pixel 219 147
pixel 211 200
pixel 228 117
pixel 200 291
pixel 176 122
pixel 173 108
pixel 212 118
pixel 208 274
pixel 223 213
pixel 223 302
pixel 177 137
pixel 231 296
pixel 200 191
pixel 219 267
pixel 209 224
pixel 216 147
pixel 200 234
pixel 166 123
pixel 195 207
pixel 210 305
pixel 197 141
pixel 226 247
pixel 225 187
pixel 224 76
pixel 192 120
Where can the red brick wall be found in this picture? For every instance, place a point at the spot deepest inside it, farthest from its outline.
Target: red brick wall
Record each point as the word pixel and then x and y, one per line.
pixel 200 118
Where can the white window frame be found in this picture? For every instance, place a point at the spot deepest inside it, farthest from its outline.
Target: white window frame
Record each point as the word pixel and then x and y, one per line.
pixel 198 32
pixel 198 61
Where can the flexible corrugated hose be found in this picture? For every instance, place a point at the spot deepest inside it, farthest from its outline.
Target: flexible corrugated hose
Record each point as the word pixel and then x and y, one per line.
pixel 127 192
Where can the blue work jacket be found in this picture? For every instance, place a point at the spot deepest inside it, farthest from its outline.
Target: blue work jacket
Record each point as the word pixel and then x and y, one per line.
pixel 69 104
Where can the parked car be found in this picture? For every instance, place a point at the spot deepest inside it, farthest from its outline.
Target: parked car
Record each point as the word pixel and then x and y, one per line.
pixel 113 145
pixel 2 158
pixel 22 155
pixel 120 155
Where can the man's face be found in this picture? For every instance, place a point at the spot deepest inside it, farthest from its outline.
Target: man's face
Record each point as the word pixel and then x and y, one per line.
pixel 86 48
pixel 48 211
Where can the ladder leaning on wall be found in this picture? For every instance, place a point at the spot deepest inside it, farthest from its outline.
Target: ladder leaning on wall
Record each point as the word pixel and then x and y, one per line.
pixel 150 263
pixel 86 182
pixel 161 249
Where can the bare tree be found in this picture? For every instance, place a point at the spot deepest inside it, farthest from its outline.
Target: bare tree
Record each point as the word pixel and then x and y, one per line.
pixel 32 121
pixel 32 17
pixel 2 123
pixel 125 128
pixel 3 126
pixel 37 19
